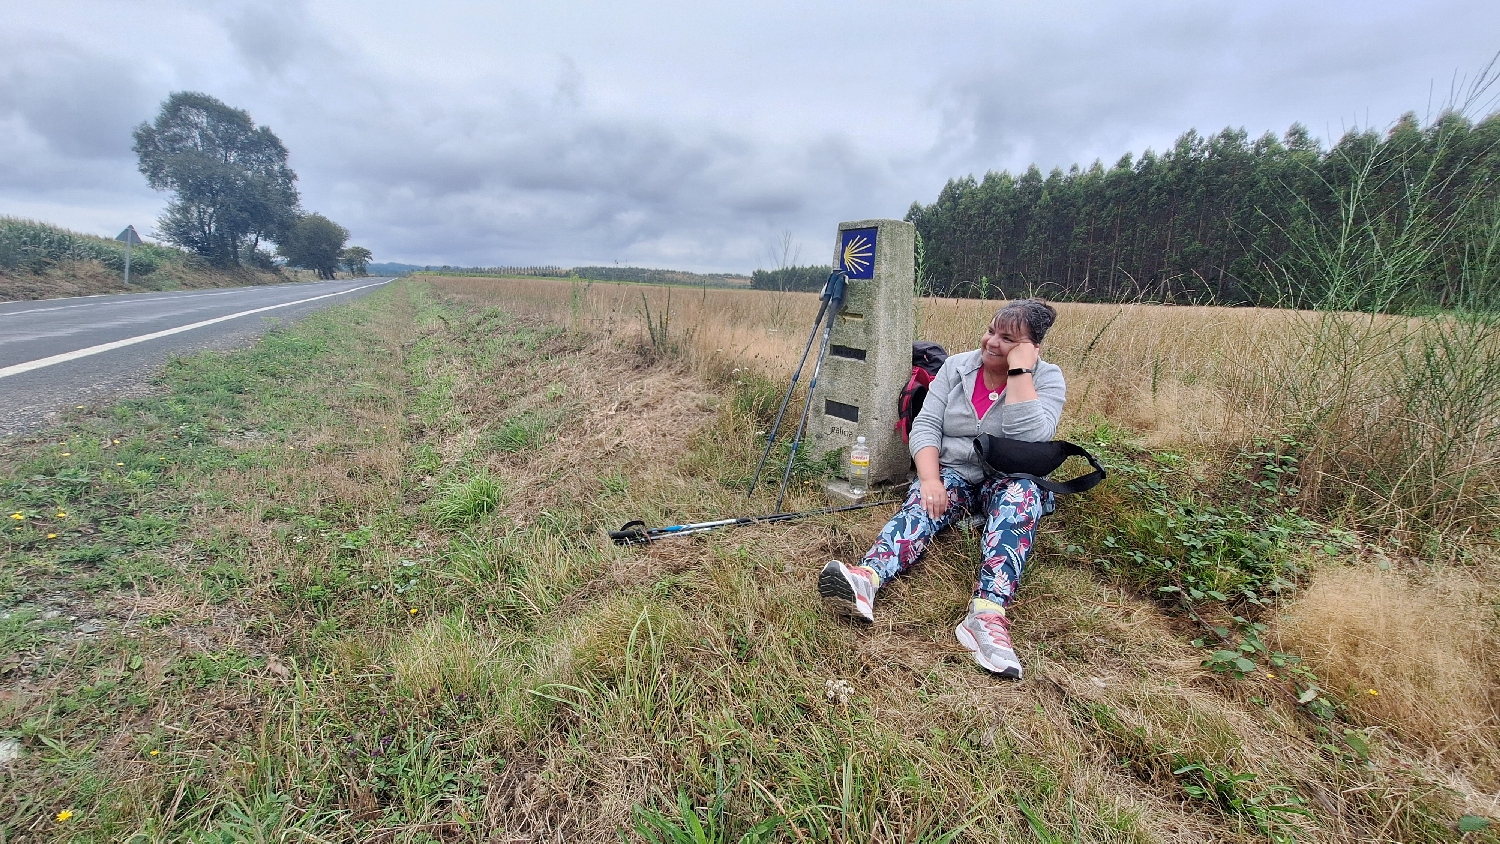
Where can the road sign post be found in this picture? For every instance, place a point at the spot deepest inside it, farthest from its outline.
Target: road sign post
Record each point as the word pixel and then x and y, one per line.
pixel 130 238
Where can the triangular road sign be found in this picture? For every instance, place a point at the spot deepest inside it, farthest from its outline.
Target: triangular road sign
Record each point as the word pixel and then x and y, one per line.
pixel 129 236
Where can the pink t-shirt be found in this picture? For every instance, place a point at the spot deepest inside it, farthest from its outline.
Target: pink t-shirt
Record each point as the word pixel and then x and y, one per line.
pixel 981 397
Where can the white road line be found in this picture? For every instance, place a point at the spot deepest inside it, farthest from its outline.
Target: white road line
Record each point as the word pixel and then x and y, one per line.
pixel 19 368
pixel 132 301
pixel 173 296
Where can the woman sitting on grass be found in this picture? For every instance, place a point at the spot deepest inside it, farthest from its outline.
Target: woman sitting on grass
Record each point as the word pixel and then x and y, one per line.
pixel 1005 389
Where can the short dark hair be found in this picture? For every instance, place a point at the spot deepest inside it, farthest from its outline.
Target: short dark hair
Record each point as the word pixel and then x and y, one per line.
pixel 1035 314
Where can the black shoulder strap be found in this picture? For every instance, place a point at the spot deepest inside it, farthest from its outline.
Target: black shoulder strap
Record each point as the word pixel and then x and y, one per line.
pixel 992 450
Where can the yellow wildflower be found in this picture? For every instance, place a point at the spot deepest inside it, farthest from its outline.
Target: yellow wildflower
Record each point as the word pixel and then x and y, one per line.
pixel 17 516
pixel 61 514
pixel 413 610
pixel 156 753
pixel 51 536
pixel 119 464
pixel 1373 692
pixel 67 454
pixel 63 816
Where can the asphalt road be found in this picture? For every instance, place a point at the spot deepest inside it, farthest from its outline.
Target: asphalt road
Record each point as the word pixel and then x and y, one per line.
pixel 56 354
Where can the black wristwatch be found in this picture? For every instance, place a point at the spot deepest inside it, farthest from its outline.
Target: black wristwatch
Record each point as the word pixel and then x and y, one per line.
pixel 1021 372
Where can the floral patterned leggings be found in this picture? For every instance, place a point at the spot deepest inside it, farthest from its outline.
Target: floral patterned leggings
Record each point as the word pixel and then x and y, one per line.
pixel 1013 506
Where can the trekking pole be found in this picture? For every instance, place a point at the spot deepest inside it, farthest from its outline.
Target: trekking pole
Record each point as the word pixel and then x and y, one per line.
pixel 836 303
pixel 817 322
pixel 636 532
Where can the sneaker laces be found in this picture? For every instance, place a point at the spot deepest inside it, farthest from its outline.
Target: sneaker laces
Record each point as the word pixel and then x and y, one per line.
pixel 995 624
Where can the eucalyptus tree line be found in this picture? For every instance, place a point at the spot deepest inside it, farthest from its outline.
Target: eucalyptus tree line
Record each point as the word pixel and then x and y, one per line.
pixel 1228 220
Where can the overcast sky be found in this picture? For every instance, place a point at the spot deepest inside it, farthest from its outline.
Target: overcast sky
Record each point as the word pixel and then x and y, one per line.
pixel 686 135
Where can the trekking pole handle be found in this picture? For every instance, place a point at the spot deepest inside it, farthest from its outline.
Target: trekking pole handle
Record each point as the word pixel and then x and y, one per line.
pixel 630 533
pixel 833 288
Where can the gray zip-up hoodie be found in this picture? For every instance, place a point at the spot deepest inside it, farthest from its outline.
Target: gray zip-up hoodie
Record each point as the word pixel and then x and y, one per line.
pixel 948 421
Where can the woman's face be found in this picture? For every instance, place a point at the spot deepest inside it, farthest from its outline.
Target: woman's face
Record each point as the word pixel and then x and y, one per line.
pixel 999 339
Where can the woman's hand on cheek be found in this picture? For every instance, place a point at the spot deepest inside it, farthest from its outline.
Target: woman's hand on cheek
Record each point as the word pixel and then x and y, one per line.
pixel 1023 356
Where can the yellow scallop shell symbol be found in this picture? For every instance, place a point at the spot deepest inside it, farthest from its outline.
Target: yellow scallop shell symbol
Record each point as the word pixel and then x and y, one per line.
pixel 859 251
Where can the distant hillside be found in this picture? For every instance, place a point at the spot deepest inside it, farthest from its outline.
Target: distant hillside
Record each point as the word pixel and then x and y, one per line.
pixel 650 276
pixel 43 261
pixel 392 268
pixel 642 275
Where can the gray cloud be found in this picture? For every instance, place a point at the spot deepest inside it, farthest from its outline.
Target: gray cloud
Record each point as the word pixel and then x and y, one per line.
pixel 678 134
pixel 81 106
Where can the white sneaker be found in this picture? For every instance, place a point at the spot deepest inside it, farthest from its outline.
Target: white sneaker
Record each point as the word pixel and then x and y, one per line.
pixel 848 590
pixel 986 633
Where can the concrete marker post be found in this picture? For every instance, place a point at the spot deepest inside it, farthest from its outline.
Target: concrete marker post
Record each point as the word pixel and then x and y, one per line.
pixel 869 354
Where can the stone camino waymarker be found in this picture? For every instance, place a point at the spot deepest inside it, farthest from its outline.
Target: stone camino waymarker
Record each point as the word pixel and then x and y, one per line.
pixel 869 351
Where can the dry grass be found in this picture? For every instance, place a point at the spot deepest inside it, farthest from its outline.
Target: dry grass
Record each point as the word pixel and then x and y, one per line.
pixel 1172 374
pixel 88 278
pixel 1398 418
pixel 538 684
pixel 1165 371
pixel 1416 658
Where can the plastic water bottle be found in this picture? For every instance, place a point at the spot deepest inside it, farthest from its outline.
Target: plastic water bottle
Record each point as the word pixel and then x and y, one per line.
pixel 859 467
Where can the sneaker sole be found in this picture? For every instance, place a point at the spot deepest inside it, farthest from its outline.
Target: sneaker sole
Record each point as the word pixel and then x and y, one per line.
pixel 838 595
pixel 965 638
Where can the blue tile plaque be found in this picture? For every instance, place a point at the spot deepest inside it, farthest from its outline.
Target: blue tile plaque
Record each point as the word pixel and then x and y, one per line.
pixel 857 253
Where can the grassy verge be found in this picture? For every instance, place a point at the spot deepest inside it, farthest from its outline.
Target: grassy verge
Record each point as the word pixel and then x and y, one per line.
pixel 352 584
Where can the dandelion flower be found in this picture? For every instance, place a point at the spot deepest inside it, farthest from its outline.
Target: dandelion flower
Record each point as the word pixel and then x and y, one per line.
pixel 156 753
pixel 1373 692
pixel 17 516
pixel 1270 675
pixel 61 514
pixel 64 815
pixel 51 536
pixel 413 610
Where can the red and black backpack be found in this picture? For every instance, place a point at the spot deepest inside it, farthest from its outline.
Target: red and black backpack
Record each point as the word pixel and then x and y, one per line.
pixel 926 359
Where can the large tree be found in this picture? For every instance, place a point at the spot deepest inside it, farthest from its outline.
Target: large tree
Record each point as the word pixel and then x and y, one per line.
pixel 231 183
pixel 315 243
pixel 357 260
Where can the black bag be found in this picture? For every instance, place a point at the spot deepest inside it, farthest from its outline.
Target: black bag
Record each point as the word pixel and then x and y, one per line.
pixel 1034 461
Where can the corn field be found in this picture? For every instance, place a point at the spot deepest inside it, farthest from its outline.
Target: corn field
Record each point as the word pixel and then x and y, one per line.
pixel 29 246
